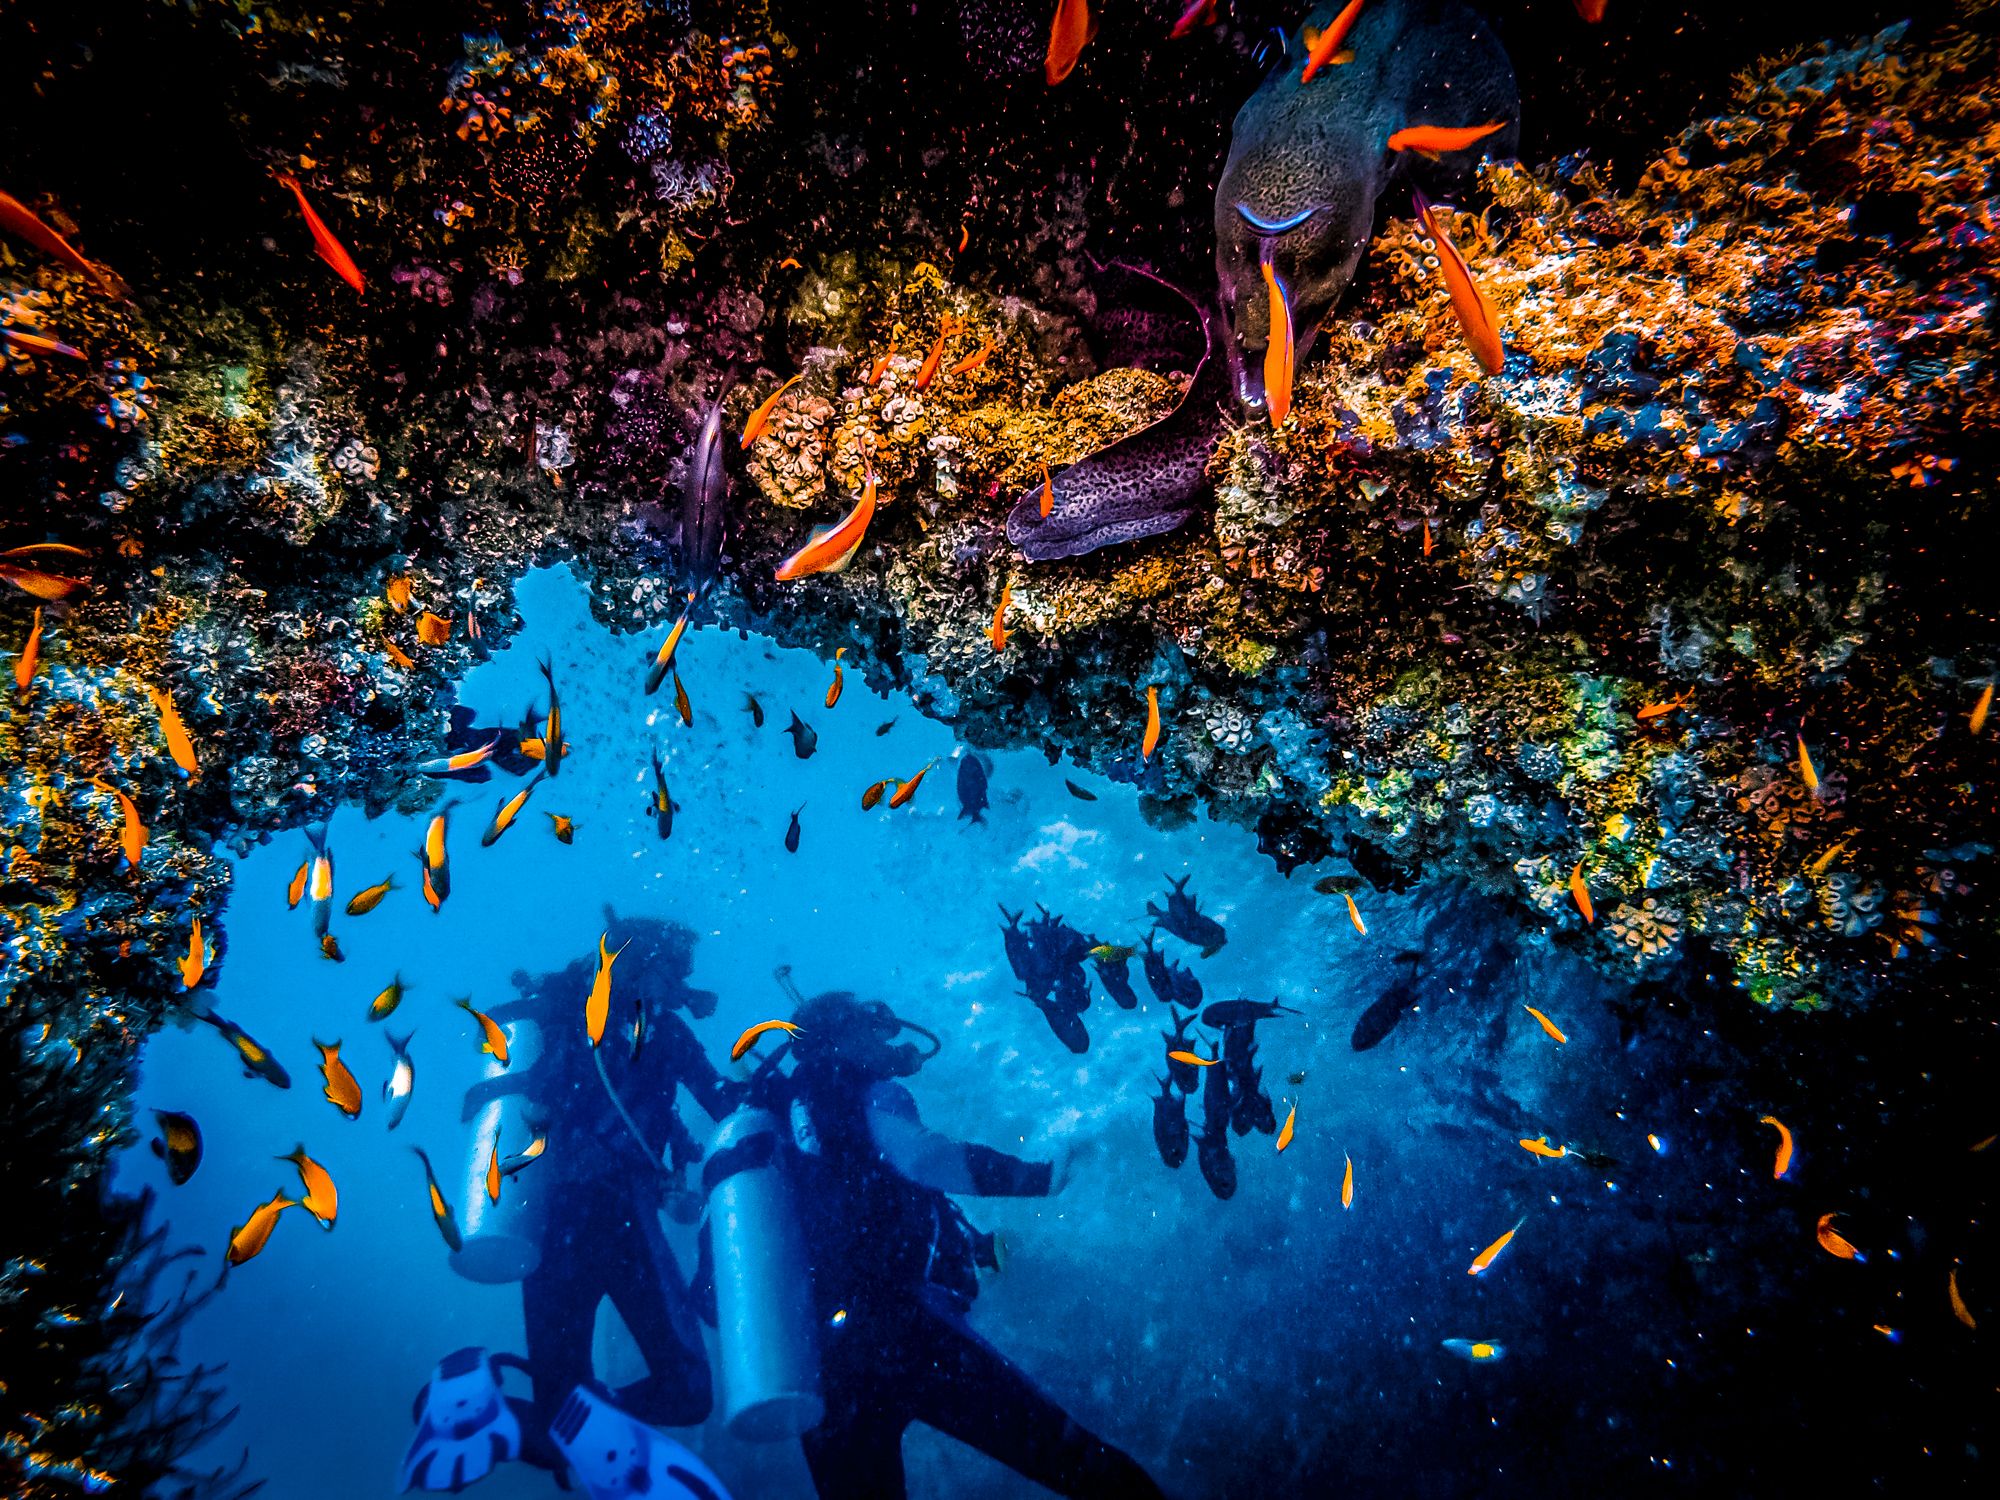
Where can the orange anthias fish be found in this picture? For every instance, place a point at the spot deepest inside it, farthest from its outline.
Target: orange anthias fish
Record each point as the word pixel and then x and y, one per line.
pixel 1545 1023
pixel 1592 11
pixel 1540 1147
pixel 1647 712
pixel 908 789
pixel 196 963
pixel 34 343
pixel 1048 490
pixel 1434 140
pixel 133 838
pixel 1347 1185
pixel 881 366
pixel 363 902
pixel 749 1038
pixel 342 1092
pixel 663 660
pixel 330 249
pixel 833 688
pixel 179 746
pixel 927 371
pixel 553 743
pixel 1354 914
pixel 1808 773
pixel 597 1009
pixel 320 886
pixel 974 360
pixel 682 706
pixel 397 592
pixel 1783 1164
pixel 1285 1130
pixel 874 794
pixel 441 1213
pixel 1200 13
pixel 398 655
pixel 31 655
pixel 433 896
pixel 997 631
pixel 1492 1251
pixel 464 760
pixel 1833 1242
pixel 20 566
pixel 1475 311
pixel 507 812
pixel 1984 706
pixel 1321 46
pixel 831 548
pixel 1427 538
pixel 495 1040
pixel 24 223
pixel 1069 33
pixel 1279 348
pixel 1193 1059
pixel 251 1236
pixel 322 1199
pixel 433 629
pixel 1152 740
pixel 296 891
pixel 761 417
pixel 1580 893
pixel 493 1173
pixel 1958 1308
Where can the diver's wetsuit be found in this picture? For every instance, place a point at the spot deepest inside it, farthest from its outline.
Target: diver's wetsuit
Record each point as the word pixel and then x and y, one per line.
pixel 882 1240
pixel 601 1233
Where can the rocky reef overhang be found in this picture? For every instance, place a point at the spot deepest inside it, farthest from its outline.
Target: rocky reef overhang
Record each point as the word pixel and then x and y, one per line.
pixel 1688 605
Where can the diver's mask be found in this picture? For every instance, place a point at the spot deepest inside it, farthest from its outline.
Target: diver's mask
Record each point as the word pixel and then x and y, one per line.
pixel 903 1058
pixel 861 1034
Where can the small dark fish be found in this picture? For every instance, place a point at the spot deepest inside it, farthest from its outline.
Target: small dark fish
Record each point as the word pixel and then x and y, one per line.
pixel 447 1222
pixel 1218 1168
pixel 972 783
pixel 1381 1018
pixel 1082 794
pixel 804 741
pixel 756 710
pixel 1066 1023
pixel 1117 982
pixel 882 729
pixel 660 800
pixel 1186 1076
pixel 681 704
pixel 1170 1126
pixel 1184 919
pixel 1227 1014
pixel 401 1082
pixel 257 1062
pixel 1020 948
pixel 1295 1079
pixel 178 1144
pixel 1158 979
pixel 792 833
pixel 1597 1159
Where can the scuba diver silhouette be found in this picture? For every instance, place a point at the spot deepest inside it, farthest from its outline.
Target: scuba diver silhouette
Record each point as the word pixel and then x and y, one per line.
pixel 876 1268
pixel 578 1222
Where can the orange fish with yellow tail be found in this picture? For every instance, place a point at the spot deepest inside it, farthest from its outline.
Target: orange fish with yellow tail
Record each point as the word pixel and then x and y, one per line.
pixel 31 655
pixel 750 1034
pixel 1491 1253
pixel 597 1009
pixel 494 1040
pixel 1152 740
pixel 342 1092
pixel 908 789
pixel 249 1238
pixel 1545 1023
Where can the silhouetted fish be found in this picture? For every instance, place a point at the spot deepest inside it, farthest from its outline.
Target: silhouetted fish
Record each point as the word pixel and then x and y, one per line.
pixel 1381 1018
pixel 792 833
pixel 1117 982
pixel 179 1144
pixel 704 501
pixel 804 741
pixel 1185 1075
pixel 1170 1126
pixel 972 801
pixel 1082 794
pixel 1184 919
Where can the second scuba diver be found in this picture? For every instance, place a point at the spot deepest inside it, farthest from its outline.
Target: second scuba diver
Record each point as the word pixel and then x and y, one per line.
pixel 890 1261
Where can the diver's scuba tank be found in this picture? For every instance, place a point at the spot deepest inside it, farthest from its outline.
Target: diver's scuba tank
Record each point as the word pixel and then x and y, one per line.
pixel 502 1240
pixel 763 1293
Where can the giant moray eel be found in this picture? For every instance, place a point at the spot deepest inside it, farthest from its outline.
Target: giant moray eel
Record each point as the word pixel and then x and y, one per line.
pixel 1306 164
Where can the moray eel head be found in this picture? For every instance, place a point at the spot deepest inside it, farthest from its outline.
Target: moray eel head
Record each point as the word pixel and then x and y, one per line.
pixel 1308 161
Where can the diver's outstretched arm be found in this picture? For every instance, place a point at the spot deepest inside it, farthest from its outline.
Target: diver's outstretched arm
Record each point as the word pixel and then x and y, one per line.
pixel 936 1161
pixel 484 1092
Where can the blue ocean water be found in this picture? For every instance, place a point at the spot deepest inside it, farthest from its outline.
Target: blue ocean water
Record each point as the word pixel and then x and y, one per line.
pixel 1224 1344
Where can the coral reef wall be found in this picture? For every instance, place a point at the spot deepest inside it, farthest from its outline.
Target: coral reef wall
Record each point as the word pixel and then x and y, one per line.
pixel 1580 622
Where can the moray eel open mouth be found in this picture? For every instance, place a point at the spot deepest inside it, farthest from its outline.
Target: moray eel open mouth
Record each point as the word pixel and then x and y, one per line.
pixel 1307 161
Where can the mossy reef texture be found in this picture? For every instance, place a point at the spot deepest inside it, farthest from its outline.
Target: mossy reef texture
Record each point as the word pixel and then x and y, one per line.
pixel 1738 468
